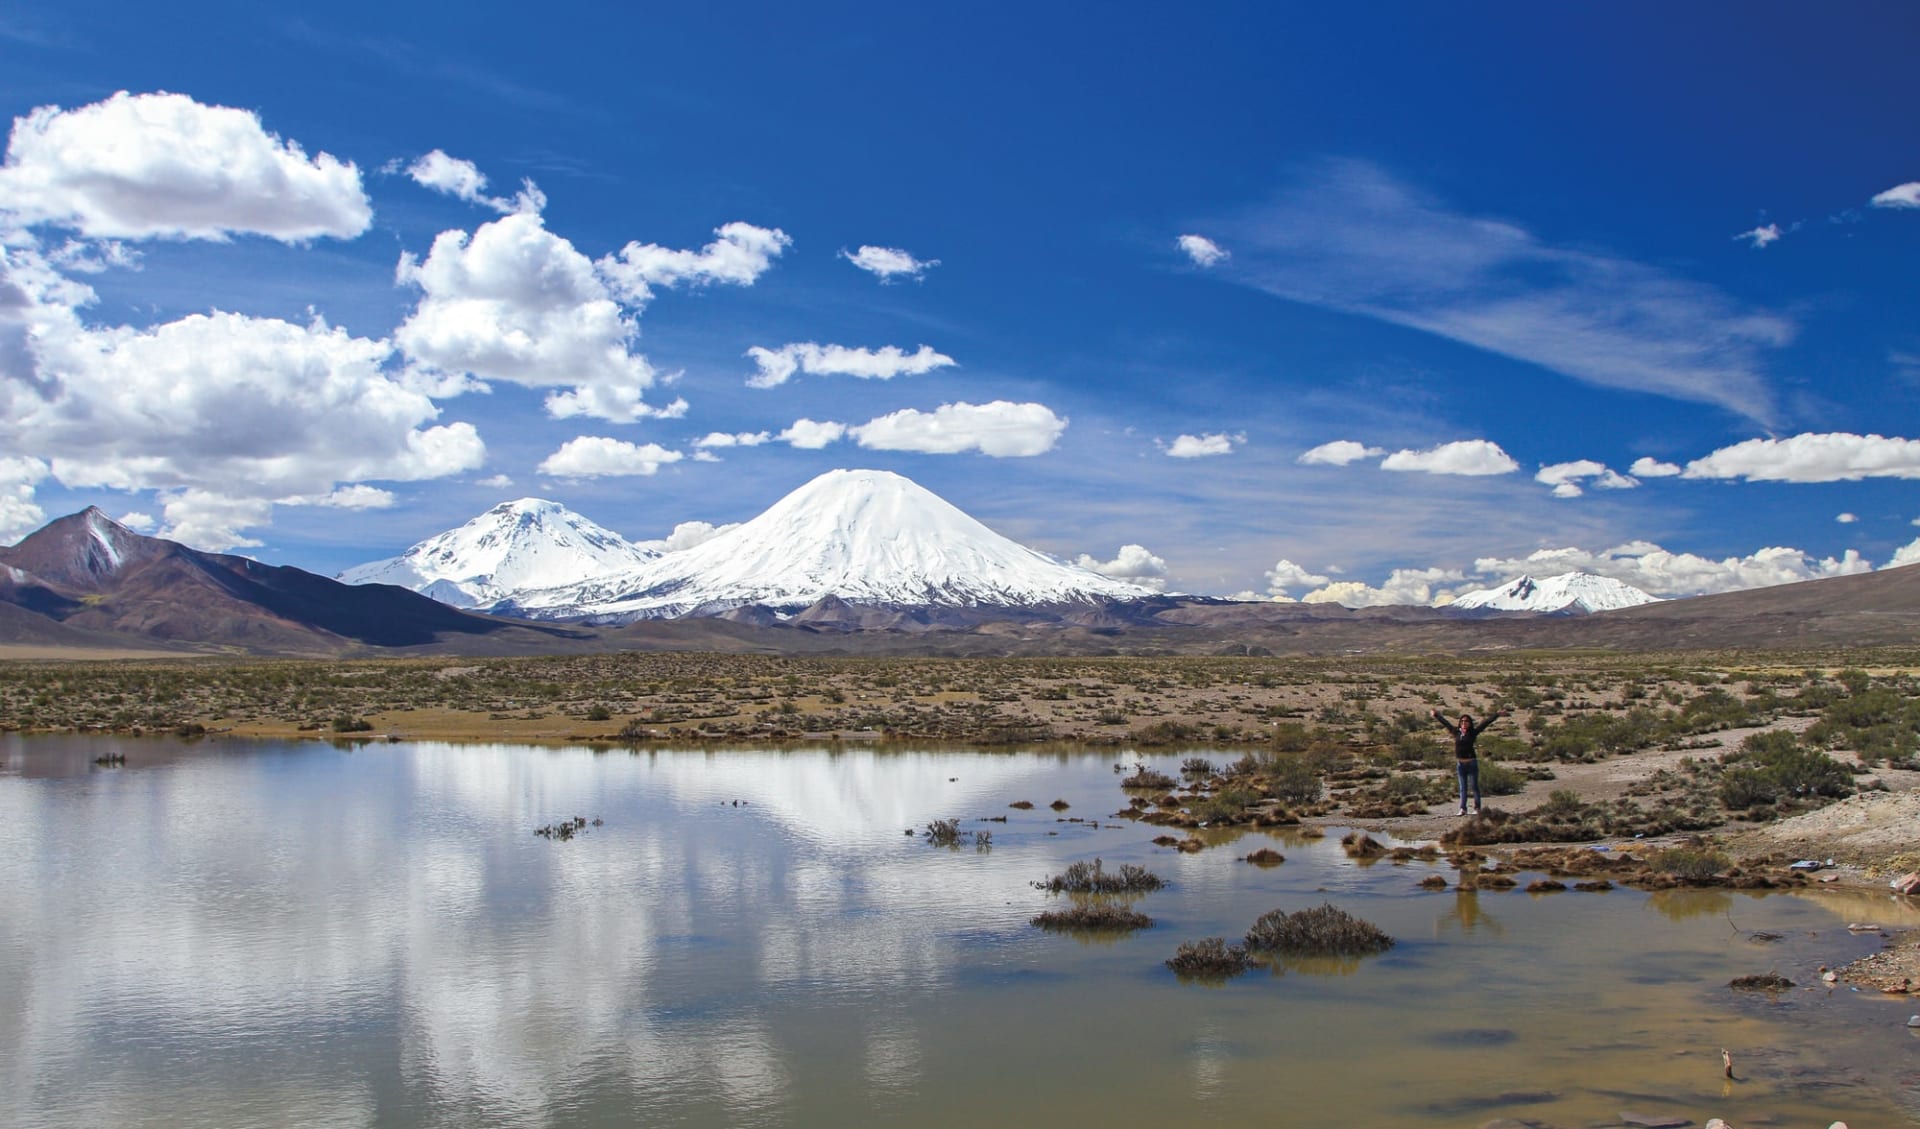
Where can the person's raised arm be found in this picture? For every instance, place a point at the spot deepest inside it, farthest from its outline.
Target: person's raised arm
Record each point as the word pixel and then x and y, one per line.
pixel 1496 715
pixel 1442 719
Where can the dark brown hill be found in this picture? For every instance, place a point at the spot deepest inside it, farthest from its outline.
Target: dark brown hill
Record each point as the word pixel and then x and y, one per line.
pixel 88 572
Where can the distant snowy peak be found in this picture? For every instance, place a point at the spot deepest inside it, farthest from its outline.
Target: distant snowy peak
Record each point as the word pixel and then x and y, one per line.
pixel 866 536
pixel 1579 592
pixel 531 543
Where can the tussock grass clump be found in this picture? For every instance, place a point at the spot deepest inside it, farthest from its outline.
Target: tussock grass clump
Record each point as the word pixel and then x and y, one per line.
pixel 1325 930
pixel 1210 958
pixel 1545 886
pixel 1434 882
pixel 1765 982
pixel 1059 805
pixel 1023 805
pixel 1360 845
pixel 1093 878
pixel 1093 917
pixel 1197 766
pixel 1266 856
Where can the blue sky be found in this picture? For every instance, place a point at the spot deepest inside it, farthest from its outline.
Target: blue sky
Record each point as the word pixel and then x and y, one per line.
pixel 1460 270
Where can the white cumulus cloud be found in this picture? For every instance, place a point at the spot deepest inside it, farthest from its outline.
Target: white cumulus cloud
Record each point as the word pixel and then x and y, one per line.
pixel 596 456
pixel 1133 563
pixel 516 302
pixel 19 513
pixel 1203 251
pixel 137 521
pixel 358 496
pixel 463 180
pixel 1340 452
pixel 733 439
pixel 1472 457
pixel 777 366
pixel 1000 429
pixel 1846 518
pixel 1649 467
pixel 161 165
pixel 739 255
pixel 887 263
pixel 495 482
pixel 1761 236
pixel 1403 586
pixel 211 520
pixel 223 412
pixel 1899 196
pixel 811 435
pixel 1906 554
pixel 690 533
pixel 1812 457
pixel 1201 446
pixel 1653 569
pixel 1285 576
pixel 1567 479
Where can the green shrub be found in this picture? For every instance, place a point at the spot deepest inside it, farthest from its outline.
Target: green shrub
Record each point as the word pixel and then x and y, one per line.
pixel 1773 768
pixel 1499 780
pixel 1692 864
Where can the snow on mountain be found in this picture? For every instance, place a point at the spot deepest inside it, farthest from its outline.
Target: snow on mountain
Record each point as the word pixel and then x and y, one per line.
pixel 528 544
pixel 868 536
pixel 1575 592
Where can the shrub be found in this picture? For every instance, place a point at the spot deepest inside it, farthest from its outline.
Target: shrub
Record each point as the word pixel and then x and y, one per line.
pixel 1690 864
pixel 1325 930
pixel 1499 780
pixel 1293 780
pixel 347 724
pixel 599 713
pixel 1225 805
pixel 1773 767
pixel 1196 766
pixel 1146 777
pixel 1209 958
pixel 1093 878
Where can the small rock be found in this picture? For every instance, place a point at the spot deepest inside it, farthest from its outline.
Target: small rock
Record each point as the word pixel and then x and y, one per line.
pixel 1716 1123
pixel 1913 1021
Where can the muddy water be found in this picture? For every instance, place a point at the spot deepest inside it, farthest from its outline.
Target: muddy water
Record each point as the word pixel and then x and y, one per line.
pixel 272 934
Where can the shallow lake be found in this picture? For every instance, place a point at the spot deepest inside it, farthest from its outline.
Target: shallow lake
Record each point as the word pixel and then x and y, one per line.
pixel 239 934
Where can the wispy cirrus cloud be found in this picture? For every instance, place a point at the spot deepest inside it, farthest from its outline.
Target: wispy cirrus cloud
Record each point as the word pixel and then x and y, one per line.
pixel 1348 236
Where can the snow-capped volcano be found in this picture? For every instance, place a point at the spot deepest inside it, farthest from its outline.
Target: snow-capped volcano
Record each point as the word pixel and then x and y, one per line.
pixel 531 543
pixel 868 536
pixel 1574 592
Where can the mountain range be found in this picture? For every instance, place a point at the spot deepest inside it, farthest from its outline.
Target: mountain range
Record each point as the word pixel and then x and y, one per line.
pixel 87 581
pixel 854 562
pixel 864 536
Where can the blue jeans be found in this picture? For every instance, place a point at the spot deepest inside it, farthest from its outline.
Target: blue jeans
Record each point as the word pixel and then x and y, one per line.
pixel 1469 774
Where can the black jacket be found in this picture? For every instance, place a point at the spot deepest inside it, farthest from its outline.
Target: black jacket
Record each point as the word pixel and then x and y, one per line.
pixel 1463 739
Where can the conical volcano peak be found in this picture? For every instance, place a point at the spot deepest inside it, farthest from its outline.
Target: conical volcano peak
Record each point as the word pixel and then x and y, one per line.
pixel 526 543
pixel 867 536
pixel 1576 592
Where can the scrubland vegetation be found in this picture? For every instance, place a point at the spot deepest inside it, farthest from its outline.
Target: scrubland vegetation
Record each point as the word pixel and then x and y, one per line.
pixel 1264 741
